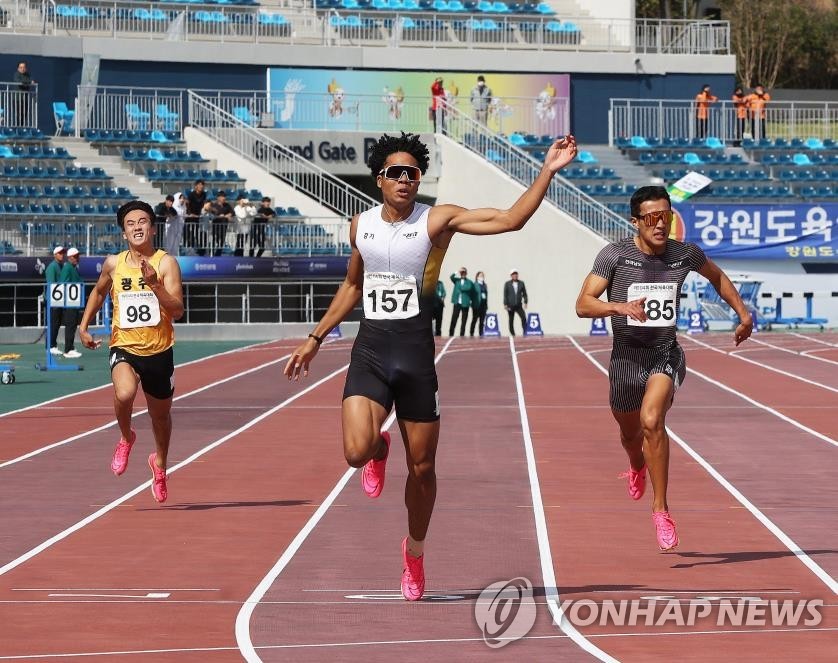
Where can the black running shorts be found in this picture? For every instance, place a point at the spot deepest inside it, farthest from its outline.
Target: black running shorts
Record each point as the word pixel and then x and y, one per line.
pixel 631 368
pixel 157 372
pixel 395 367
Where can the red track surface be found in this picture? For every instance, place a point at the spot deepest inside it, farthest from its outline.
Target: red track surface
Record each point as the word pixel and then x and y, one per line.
pixel 235 509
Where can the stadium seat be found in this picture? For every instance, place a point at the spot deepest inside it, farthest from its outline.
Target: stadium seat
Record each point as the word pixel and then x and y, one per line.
pixel 801 159
pixel 586 157
pixel 137 118
pixel 692 158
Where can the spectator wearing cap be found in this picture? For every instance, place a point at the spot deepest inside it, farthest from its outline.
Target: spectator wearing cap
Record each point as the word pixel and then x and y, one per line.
pixel 263 217
pixel 245 212
pixel 515 300
pixel 221 213
pixel 70 274
pixel 53 275
pixel 461 298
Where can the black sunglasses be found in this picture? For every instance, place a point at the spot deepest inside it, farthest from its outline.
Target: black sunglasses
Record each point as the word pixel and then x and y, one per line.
pixel 396 171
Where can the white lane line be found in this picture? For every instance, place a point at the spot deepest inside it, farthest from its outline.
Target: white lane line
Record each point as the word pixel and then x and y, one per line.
pixel 755 631
pixel 815 340
pixel 784 538
pixel 146 485
pixel 245 644
pixel 108 384
pixel 803 353
pixel 550 590
pixel 735 355
pixel 109 589
pixel 137 413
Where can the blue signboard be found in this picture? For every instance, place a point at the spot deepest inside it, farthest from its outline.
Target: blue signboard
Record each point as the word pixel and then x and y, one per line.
pixel 804 232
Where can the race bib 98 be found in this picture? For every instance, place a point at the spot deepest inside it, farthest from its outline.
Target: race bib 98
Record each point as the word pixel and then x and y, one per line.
pixel 660 305
pixel 138 309
pixel 389 296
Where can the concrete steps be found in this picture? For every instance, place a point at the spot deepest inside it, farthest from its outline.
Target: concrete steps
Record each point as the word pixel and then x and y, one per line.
pixel 627 170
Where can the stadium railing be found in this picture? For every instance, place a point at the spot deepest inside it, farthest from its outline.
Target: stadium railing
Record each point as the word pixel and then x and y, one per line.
pixel 320 185
pixel 128 108
pixel 676 118
pixel 18 108
pixel 523 167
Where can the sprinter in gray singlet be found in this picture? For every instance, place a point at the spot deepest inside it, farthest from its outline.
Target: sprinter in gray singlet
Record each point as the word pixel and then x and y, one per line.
pixel 397 251
pixel 643 276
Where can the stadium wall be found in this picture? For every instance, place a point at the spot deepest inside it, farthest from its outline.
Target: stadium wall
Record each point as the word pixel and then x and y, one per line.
pixel 553 253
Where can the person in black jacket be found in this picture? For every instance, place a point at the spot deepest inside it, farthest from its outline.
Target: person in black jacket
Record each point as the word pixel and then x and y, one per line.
pixel 515 300
pixel 479 303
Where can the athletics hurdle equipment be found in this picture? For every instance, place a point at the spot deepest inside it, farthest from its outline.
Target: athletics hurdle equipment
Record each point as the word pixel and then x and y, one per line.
pixel 60 295
pixel 807 319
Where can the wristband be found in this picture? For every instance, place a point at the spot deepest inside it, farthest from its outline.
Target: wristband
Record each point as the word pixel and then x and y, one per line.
pixel 319 339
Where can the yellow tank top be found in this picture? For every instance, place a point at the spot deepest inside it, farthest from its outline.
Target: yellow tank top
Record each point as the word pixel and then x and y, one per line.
pixel 140 325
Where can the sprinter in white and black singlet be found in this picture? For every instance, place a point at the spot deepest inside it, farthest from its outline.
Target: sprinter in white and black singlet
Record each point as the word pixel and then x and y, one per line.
pixel 397 252
pixel 643 276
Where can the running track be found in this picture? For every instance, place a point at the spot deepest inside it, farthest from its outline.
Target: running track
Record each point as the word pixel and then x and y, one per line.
pixel 268 548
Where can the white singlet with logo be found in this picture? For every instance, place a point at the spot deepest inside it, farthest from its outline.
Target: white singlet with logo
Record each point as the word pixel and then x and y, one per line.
pixel 138 308
pixel 395 257
pixel 660 305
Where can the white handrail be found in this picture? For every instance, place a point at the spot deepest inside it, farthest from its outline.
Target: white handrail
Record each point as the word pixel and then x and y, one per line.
pixel 291 168
pixel 524 168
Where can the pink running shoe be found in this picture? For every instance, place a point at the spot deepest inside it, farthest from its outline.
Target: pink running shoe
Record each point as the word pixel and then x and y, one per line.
pixel 158 480
pixel 636 482
pixel 665 529
pixel 372 474
pixel 119 462
pixel 413 575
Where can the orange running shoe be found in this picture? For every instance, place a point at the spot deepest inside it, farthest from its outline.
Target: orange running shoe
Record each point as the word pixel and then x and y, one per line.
pixel 636 482
pixel 158 480
pixel 413 575
pixel 372 474
pixel 665 530
pixel 119 462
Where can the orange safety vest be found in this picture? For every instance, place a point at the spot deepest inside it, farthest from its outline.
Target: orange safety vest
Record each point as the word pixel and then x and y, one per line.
pixel 756 102
pixel 703 101
pixel 740 103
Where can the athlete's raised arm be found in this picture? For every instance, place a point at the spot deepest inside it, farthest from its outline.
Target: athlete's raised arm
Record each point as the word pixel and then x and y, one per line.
pixel 730 294
pixel 346 298
pixel 490 221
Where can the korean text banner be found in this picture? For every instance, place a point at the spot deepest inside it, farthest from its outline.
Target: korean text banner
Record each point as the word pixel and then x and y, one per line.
pixel 804 232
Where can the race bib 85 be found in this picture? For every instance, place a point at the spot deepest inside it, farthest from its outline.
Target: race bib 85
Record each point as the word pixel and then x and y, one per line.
pixel 660 305
pixel 138 309
pixel 389 296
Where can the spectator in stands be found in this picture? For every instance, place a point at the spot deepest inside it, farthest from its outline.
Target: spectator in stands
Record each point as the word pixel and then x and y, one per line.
pixel 53 275
pixel 515 300
pixel 20 113
pixel 174 231
pixel 481 98
pixel 437 95
pixel 439 307
pixel 461 298
pixel 257 234
pixel 479 304
pixel 164 213
pixel 221 212
pixel 195 203
pixel 245 212
pixel 70 274
pixel 702 110
pixel 740 108
pixel 756 105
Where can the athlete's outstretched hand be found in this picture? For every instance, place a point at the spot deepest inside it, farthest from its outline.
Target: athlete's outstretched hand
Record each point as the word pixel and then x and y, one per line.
pixel 300 359
pixel 743 330
pixel 634 309
pixel 561 153
pixel 88 341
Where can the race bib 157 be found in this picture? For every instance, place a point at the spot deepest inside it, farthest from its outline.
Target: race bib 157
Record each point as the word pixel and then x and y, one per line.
pixel 389 296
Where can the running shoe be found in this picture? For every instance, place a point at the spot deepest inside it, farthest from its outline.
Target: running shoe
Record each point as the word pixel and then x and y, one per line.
pixel 158 480
pixel 72 354
pixel 120 455
pixel 636 482
pixel 665 529
pixel 372 474
pixel 413 575
pixel 55 351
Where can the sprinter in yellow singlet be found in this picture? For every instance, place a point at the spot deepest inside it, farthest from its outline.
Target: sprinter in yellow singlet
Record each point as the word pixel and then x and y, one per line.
pixel 145 287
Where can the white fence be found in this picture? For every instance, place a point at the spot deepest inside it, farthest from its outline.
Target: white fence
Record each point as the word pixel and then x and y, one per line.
pixel 128 108
pixel 18 107
pixel 304 236
pixel 668 118
pixel 524 168
pixel 275 158
pixel 385 112
pixel 187 21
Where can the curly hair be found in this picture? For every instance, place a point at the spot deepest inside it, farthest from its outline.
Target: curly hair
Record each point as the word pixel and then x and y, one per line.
pixel 388 145
pixel 123 211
